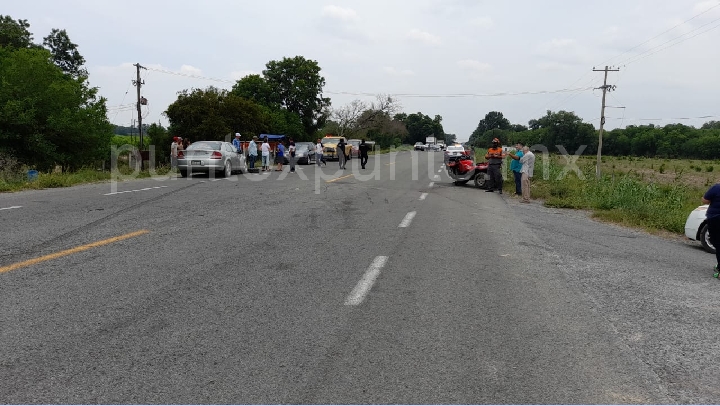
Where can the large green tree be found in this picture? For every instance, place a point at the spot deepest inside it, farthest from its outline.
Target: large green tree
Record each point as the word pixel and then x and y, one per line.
pixel 488 127
pixel 298 86
pixel 48 117
pixel 15 33
pixel 212 113
pixel 65 53
pixel 420 126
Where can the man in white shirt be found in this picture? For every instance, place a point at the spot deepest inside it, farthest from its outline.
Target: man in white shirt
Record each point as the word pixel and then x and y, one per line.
pixel 319 153
pixel 265 148
pixel 528 164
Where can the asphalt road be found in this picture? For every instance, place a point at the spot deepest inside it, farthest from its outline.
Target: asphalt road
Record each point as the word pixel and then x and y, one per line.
pixel 385 285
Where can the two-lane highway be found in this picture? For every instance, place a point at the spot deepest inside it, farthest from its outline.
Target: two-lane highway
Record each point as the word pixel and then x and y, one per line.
pixel 384 285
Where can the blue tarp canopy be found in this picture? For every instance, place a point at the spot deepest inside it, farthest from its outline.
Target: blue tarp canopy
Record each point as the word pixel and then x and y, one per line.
pixel 271 137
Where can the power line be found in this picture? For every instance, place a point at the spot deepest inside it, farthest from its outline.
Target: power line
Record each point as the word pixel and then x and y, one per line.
pixel 646 54
pixel 664 32
pixel 447 95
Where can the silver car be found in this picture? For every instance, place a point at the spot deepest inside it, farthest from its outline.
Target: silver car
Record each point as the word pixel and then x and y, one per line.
pixel 216 157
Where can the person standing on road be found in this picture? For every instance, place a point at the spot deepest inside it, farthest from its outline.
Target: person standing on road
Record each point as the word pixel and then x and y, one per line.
pixel 174 153
pixel 265 148
pixel 495 158
pixel 280 156
pixel 340 149
pixel 291 154
pixel 363 153
pixel 528 165
pixel 237 144
pixel 516 167
pixel 252 152
pixel 319 153
pixel 712 216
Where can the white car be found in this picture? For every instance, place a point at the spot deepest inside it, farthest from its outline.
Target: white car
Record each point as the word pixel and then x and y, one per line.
pixel 696 228
pixel 454 150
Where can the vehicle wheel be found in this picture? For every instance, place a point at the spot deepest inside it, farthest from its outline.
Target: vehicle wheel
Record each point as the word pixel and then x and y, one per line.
pixel 228 170
pixel 480 180
pixel 183 173
pixel 705 239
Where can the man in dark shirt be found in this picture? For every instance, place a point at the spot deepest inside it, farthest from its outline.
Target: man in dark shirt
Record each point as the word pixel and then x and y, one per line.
pixel 340 149
pixel 364 148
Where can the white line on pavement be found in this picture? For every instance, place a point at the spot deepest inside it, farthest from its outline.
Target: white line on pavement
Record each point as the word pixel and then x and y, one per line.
pixel 408 219
pixel 365 284
pixel 437 176
pixel 431 184
pixel 423 196
pixel 137 190
pixel 439 170
pixel 11 207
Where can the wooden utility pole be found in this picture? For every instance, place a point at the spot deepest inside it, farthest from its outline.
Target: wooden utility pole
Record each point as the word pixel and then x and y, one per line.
pixel 605 88
pixel 138 83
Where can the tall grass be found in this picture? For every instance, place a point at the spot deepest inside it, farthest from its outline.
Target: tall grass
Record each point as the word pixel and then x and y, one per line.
pixel 624 198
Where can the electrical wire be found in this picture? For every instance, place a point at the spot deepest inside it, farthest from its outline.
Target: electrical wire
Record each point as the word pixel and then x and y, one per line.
pixel 646 54
pixel 658 35
pixel 410 95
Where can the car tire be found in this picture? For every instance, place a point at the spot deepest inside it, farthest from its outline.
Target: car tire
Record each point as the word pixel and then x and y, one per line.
pixel 705 240
pixel 480 180
pixel 227 171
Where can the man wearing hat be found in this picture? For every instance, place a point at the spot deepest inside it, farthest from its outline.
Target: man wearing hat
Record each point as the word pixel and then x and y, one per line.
pixel 237 144
pixel 252 152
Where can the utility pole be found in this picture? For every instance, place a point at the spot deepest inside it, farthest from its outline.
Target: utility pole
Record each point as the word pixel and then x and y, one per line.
pixel 605 88
pixel 138 83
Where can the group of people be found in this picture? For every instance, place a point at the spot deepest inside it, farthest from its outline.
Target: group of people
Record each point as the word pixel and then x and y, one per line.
pixel 340 150
pixel 522 165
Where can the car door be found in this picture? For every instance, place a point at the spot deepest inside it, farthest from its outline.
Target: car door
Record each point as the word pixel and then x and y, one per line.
pixel 231 155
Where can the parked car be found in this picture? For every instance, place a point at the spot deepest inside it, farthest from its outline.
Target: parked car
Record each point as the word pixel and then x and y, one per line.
pixel 305 152
pixel 419 146
pixel 696 228
pixel 211 157
pixel 330 144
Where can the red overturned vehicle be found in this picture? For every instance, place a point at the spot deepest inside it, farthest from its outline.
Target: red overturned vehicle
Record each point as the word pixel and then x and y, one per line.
pixel 463 169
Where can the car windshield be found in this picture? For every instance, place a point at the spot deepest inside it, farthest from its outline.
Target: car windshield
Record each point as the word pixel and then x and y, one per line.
pixel 214 145
pixel 302 147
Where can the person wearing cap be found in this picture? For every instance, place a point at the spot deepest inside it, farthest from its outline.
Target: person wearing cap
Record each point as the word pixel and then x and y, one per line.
pixel 237 143
pixel 495 158
pixel 252 151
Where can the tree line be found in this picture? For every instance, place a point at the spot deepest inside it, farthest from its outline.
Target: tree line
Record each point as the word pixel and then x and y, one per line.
pixel 567 129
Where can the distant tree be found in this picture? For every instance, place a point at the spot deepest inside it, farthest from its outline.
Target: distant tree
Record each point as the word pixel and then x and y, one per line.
pixel 493 120
pixel 420 126
pixel 15 33
pixel 711 125
pixel 257 89
pixel 65 53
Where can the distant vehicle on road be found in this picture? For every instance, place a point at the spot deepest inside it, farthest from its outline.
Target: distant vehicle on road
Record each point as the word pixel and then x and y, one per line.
pixel 419 146
pixel 330 144
pixel 211 156
pixel 355 148
pixel 454 150
pixel 305 152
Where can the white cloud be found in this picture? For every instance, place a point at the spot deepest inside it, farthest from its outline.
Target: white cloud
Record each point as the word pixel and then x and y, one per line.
pixel 483 22
pixel 398 72
pixel 423 36
pixel 339 13
pixel 190 70
pixel 472 64
pixel 552 66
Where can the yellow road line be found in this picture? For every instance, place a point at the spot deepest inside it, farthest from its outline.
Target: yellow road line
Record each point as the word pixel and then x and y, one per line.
pixel 71 251
pixel 342 177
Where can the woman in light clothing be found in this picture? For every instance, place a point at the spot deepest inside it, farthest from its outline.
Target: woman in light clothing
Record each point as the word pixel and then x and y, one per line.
pixel 265 147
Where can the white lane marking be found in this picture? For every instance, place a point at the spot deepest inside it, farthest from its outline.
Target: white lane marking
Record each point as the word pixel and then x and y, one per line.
pixel 437 176
pixel 439 170
pixel 408 219
pixel 365 284
pixel 136 190
pixel 431 184
pixel 423 196
pixel 11 207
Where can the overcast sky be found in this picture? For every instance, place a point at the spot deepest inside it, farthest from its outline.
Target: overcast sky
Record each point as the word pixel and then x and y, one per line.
pixel 424 47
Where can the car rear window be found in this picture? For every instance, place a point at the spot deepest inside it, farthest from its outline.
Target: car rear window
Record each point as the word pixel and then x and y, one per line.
pixel 215 145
